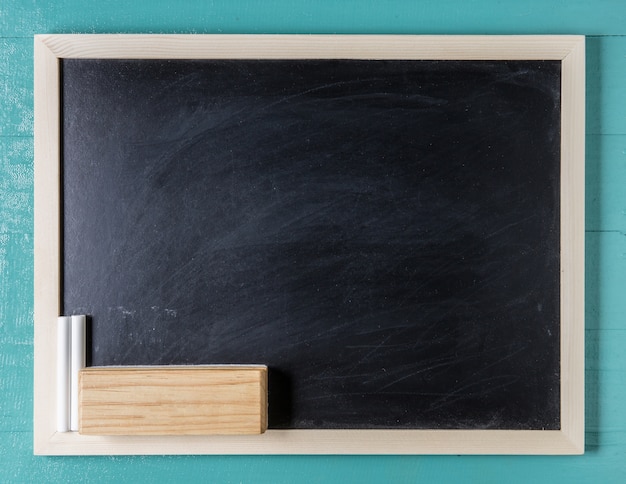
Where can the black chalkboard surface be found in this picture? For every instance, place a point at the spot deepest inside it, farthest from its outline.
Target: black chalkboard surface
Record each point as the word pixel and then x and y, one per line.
pixel 384 235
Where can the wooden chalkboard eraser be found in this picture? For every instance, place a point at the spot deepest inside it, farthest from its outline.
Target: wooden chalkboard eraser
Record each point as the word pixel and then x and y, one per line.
pixel 173 400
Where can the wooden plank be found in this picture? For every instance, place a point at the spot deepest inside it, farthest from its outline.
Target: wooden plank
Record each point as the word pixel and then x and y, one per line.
pixel 399 16
pixel 47 247
pixel 606 172
pixel 606 280
pixel 177 400
pixel 573 246
pixel 424 47
pixel 606 68
pixel 16 109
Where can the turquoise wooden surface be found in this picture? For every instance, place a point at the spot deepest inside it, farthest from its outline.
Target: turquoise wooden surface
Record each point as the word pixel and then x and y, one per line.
pixel 603 20
pixel 604 17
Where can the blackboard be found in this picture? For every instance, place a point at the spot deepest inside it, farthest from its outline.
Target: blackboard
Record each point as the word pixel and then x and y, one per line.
pixel 408 209
pixel 384 235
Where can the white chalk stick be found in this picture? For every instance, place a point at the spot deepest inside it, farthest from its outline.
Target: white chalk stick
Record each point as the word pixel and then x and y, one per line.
pixel 77 363
pixel 63 374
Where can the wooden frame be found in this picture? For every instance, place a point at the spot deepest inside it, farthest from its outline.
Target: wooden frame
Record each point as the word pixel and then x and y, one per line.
pixel 570 50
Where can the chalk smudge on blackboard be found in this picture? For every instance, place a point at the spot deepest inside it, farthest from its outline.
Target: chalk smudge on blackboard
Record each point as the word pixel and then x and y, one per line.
pixel 383 234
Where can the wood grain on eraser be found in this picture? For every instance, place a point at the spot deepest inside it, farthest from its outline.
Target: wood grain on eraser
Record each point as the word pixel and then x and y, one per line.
pixel 176 400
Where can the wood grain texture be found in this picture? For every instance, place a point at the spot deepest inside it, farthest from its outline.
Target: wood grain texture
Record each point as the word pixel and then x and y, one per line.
pixel 424 47
pixel 47 220
pixel 605 176
pixel 573 246
pixel 319 16
pixel 605 245
pixel 191 400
